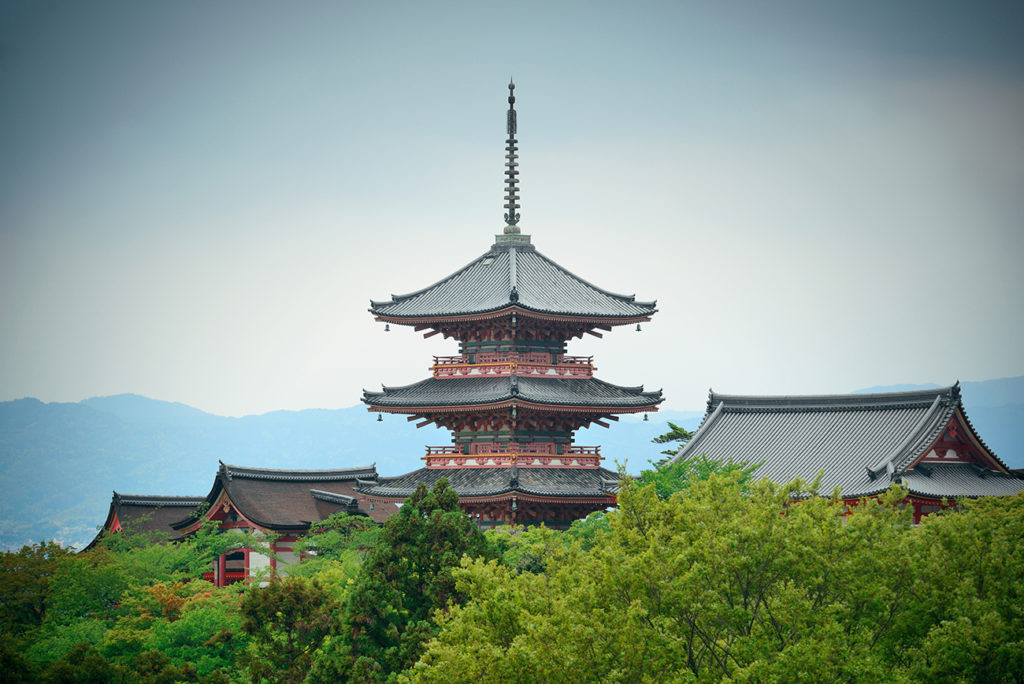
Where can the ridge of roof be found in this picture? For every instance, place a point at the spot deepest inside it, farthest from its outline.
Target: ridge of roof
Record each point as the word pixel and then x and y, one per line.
pixel 157 500
pixel 332 497
pixel 927 422
pixel 251 473
pixel 833 402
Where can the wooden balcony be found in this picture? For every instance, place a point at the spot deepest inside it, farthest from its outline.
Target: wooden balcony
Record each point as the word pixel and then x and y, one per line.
pixel 501 364
pixel 521 454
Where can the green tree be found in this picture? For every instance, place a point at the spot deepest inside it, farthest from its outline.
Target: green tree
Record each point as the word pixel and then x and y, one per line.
pixel 288 620
pixel 83 664
pixel 669 477
pixel 404 579
pixel 730 580
pixel 966 619
pixel 334 549
pixel 676 435
pixel 25 584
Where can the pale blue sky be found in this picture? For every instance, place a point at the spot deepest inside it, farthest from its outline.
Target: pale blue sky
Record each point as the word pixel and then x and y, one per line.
pixel 197 200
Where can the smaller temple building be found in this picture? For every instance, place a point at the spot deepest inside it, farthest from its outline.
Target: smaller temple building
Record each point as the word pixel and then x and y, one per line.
pixel 261 502
pixel 147 514
pixel 861 444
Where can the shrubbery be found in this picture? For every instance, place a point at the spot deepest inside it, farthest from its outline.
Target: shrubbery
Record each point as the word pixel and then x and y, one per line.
pixel 720 577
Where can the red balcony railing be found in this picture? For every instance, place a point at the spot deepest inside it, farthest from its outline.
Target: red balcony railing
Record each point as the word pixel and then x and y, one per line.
pixel 497 364
pixel 524 454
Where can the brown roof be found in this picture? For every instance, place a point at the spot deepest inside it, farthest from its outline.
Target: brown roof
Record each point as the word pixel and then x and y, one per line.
pixel 148 514
pixel 292 499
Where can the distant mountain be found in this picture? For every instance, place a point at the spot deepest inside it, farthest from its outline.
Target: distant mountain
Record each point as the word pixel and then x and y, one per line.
pixel 60 461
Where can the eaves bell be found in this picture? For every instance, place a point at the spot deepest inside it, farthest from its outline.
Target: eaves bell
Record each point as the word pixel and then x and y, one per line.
pixel 380 418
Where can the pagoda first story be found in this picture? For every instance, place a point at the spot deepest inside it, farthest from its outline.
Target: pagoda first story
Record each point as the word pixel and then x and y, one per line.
pixel 263 504
pixel 513 397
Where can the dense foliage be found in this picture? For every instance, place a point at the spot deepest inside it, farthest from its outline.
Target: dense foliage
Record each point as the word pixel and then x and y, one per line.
pixel 712 577
pixel 752 583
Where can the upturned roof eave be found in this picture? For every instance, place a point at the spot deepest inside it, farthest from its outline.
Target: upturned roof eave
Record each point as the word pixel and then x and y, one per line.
pixel 514 308
pixel 517 401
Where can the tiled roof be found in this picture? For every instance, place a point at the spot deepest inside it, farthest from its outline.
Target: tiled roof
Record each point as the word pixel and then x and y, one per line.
pixel 331 497
pixel 861 442
pixel 291 499
pixel 959 479
pixel 150 514
pixel 338 474
pixel 474 482
pixel 548 391
pixel 156 500
pixel 512 276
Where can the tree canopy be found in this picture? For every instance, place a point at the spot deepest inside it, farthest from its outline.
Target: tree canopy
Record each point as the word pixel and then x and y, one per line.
pixel 701 574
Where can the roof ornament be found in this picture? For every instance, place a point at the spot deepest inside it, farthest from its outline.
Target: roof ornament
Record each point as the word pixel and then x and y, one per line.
pixel 511 172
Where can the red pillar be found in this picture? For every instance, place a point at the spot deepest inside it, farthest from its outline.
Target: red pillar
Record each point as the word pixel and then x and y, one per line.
pixel 222 567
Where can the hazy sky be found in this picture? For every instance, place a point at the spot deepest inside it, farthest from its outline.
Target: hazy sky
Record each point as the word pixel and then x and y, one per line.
pixel 198 199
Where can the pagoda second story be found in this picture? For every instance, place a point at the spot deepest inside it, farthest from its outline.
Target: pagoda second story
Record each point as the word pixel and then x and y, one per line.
pixel 513 396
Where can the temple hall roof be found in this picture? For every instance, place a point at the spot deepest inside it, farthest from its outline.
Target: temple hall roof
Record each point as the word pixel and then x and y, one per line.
pixel 861 442
pixel 290 499
pixel 474 391
pixel 508 276
pixel 149 514
pixel 480 482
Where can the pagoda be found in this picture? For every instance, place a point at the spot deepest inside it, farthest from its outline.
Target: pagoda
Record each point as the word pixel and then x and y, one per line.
pixel 512 397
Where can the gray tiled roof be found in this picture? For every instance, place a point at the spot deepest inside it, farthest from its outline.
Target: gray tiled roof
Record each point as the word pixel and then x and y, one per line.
pixel 507 276
pixel 861 442
pixel 959 479
pixel 548 391
pixel 471 482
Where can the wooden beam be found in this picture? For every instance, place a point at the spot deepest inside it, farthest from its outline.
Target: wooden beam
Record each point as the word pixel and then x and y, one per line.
pixel 595 334
pixel 429 421
pixel 596 422
pixel 430 334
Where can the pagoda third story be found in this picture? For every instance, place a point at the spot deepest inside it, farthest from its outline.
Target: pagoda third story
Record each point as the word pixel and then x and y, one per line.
pixel 513 397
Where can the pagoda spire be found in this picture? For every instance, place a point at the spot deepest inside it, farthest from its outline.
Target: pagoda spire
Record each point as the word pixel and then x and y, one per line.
pixel 511 170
